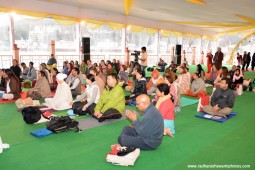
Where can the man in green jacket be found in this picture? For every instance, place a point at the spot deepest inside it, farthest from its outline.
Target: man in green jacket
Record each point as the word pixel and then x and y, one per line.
pixel 112 101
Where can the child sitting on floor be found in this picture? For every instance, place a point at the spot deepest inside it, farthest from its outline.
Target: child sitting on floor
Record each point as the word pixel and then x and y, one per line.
pixel 165 106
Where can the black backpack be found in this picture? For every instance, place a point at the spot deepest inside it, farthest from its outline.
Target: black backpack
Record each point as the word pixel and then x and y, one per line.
pixel 62 124
pixel 31 114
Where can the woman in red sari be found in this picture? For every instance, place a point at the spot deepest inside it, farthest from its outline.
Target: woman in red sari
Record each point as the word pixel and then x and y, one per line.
pixel 209 57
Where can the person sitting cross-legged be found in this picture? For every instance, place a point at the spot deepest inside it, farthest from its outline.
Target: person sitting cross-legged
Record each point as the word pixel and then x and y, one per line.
pixel 140 87
pixel 111 103
pixel 222 100
pixel 86 102
pixel 62 97
pixel 75 82
pixel 12 91
pixel 198 88
pixel 147 133
pixel 41 89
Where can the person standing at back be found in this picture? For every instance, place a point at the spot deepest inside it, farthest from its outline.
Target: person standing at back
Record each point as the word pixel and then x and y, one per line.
pixel 217 59
pixel 245 59
pixel 144 58
pixel 209 57
pixel 253 62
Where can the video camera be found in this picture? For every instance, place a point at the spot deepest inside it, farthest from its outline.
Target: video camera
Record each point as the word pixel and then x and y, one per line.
pixel 136 54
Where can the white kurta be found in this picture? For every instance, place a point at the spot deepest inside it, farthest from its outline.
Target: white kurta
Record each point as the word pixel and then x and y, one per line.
pixel 61 99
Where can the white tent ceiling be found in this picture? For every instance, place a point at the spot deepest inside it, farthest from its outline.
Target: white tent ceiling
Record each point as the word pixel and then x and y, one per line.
pixel 179 15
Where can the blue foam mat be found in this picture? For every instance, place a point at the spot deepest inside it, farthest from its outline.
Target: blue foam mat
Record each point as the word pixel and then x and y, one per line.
pixel 217 118
pixel 41 132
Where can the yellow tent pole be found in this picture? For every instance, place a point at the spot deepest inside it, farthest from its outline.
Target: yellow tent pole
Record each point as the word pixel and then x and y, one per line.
pixel 237 45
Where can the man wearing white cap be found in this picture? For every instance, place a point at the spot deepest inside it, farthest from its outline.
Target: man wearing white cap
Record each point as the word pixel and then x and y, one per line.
pixel 62 97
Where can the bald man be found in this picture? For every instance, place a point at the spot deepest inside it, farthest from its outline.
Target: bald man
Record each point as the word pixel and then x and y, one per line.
pixel 147 133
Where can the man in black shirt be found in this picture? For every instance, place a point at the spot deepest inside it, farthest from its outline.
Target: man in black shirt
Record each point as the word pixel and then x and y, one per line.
pixel 15 68
pixel 222 100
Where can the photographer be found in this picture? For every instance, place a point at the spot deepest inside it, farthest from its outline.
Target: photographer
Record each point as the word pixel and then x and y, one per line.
pixel 143 58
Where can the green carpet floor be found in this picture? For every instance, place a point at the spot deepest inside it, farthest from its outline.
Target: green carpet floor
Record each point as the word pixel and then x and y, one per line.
pixel 197 141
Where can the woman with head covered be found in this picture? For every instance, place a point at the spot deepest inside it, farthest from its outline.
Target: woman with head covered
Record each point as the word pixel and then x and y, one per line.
pixel 62 97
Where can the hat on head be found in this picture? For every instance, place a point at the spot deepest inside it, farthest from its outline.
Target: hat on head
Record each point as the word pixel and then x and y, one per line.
pixel 61 76
pixel 155 72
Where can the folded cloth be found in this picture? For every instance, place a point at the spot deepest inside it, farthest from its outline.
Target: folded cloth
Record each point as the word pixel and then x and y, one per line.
pixel 41 132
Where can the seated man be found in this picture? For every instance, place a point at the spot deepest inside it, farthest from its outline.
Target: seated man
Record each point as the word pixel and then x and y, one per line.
pixel 146 134
pixel 31 72
pixel 62 97
pixel 52 62
pixel 222 100
pixel 112 102
pixel 25 70
pixel 75 82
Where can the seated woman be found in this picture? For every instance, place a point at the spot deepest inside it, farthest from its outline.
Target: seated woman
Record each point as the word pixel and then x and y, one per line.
pixel 131 67
pixel 69 68
pixel 183 80
pixel 99 81
pixel 63 96
pixel 169 79
pixel 42 67
pixel 213 75
pixel 173 67
pixel 54 84
pixel 155 79
pixel 140 87
pixel 165 106
pixel 12 86
pixel 41 89
pixel 101 74
pixel 86 102
pixel 110 69
pixel 223 73
pixel 123 76
pixel 2 81
pixel 200 71
pixel 198 88
pixel 237 79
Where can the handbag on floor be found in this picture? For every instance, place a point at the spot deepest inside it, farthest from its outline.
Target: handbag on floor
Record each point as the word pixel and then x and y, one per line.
pixel 62 124
pixel 31 114
pixel 77 108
